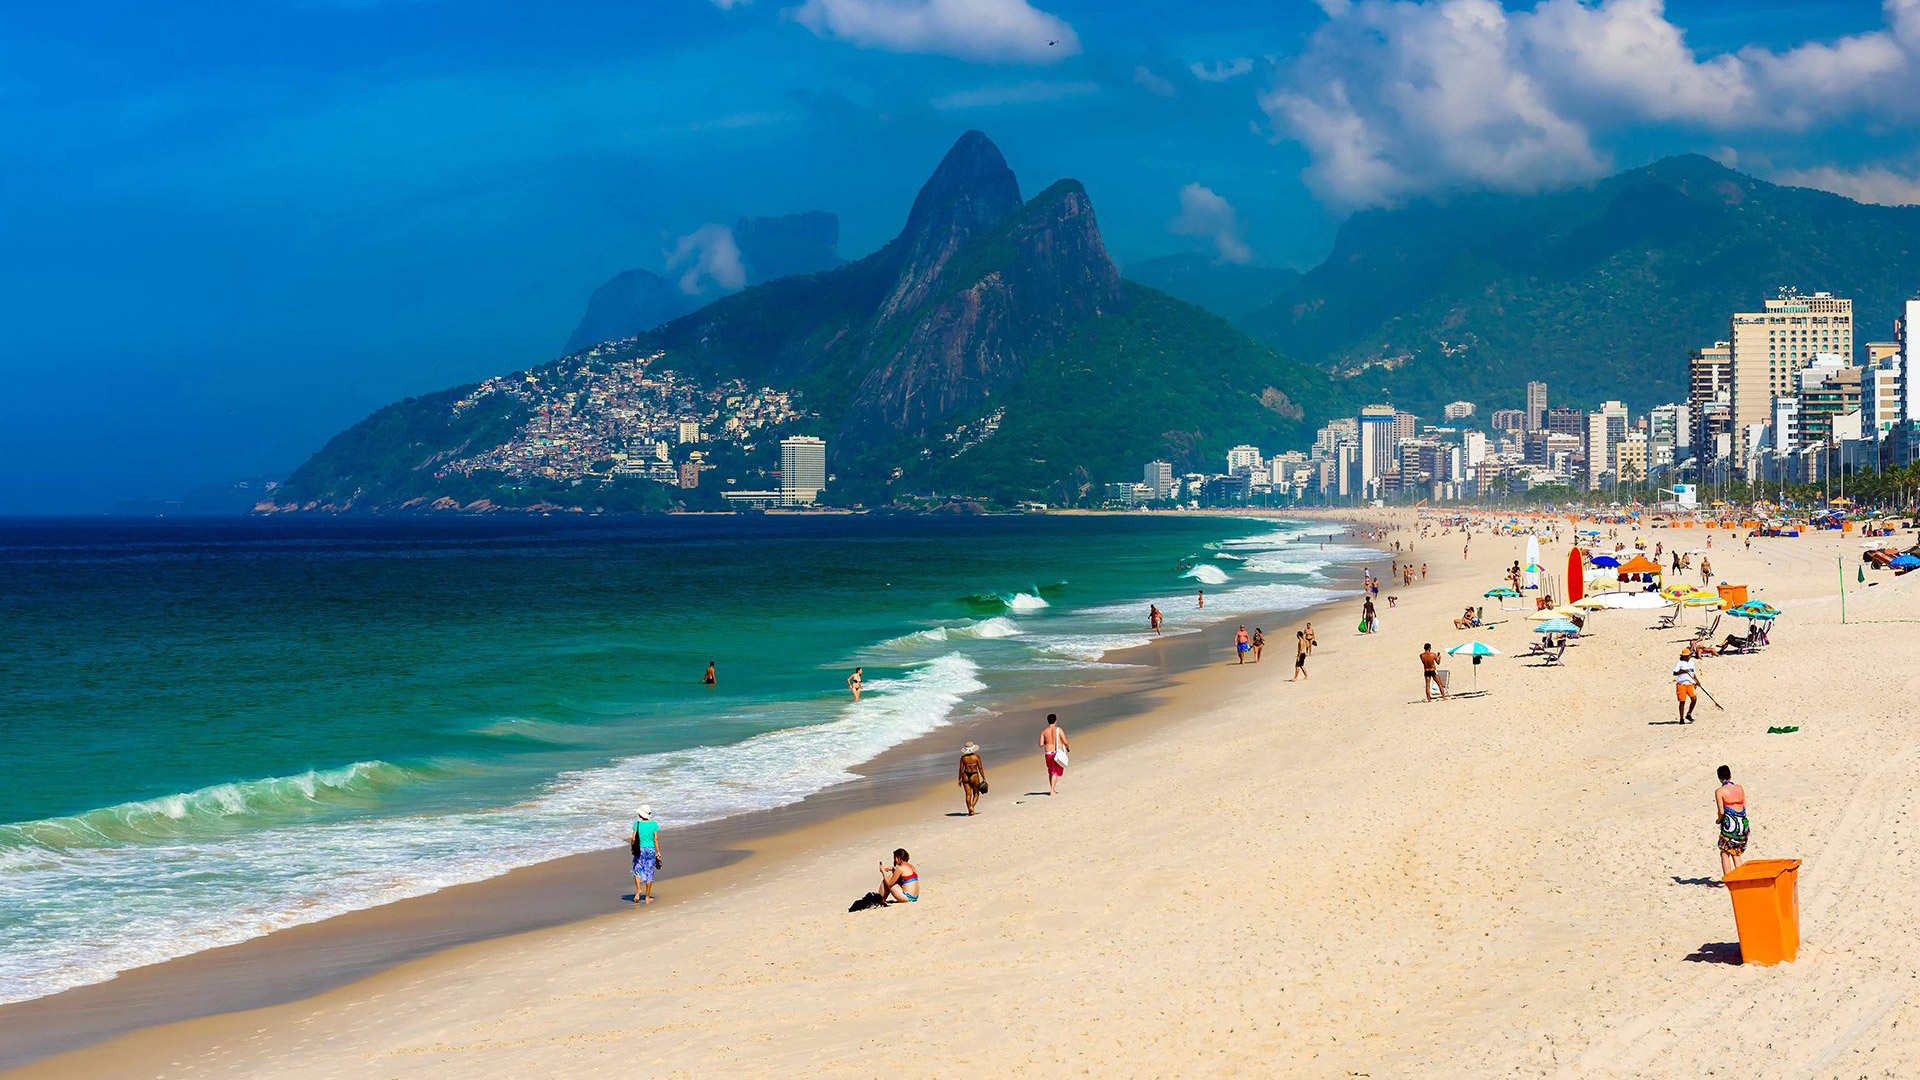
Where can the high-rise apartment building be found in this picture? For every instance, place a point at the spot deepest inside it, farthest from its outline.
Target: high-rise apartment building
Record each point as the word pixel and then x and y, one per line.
pixel 1243 460
pixel 1605 428
pixel 1158 480
pixel 689 431
pixel 1566 420
pixel 803 469
pixel 1507 420
pixel 1536 406
pixel 1630 458
pixel 1772 345
pixel 1456 410
pixel 1880 390
pixel 1836 394
pixel 1377 439
pixel 1405 426
pixel 1906 431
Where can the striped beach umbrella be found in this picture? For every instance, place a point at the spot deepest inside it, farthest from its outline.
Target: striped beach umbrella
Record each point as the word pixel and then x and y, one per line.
pixel 1556 626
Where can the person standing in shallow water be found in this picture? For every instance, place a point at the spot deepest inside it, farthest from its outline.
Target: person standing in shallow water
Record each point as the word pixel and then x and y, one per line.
pixel 854 682
pixel 710 677
pixel 1730 813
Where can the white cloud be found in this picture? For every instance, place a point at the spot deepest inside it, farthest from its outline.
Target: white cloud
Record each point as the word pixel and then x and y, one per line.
pixel 1222 71
pixel 1393 98
pixel 707 254
pixel 728 5
pixel 1205 214
pixel 1872 184
pixel 1159 85
pixel 985 30
pixel 1024 93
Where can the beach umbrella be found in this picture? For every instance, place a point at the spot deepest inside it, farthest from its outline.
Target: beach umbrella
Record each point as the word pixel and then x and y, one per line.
pixel 1591 603
pixel 1607 561
pixel 1602 583
pixel 1501 593
pixel 1475 649
pixel 1531 568
pixel 1556 626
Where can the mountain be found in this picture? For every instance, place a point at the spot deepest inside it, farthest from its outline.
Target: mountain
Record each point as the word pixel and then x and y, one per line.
pixel 1229 290
pixel 991 349
pixel 635 301
pixel 1601 291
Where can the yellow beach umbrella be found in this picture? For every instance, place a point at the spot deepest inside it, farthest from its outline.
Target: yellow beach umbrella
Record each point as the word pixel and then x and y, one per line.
pixel 1591 603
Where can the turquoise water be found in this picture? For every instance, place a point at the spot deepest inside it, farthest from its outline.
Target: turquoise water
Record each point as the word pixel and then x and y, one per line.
pixel 215 730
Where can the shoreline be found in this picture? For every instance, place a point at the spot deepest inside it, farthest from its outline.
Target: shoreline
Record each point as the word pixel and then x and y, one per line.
pixel 286 967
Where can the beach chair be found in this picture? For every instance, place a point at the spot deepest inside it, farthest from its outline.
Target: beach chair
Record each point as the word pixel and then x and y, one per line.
pixel 1668 619
pixel 1706 632
pixel 1555 657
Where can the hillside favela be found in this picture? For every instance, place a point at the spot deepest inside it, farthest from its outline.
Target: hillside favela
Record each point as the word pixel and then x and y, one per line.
pixel 739 538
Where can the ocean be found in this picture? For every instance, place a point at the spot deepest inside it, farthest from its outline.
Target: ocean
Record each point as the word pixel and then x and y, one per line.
pixel 219 728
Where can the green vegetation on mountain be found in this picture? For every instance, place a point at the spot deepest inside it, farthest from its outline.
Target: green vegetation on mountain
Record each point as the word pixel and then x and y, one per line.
pixel 989 349
pixel 1601 291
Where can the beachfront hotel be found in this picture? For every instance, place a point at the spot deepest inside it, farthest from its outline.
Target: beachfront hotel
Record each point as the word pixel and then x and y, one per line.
pixel 1769 347
pixel 803 469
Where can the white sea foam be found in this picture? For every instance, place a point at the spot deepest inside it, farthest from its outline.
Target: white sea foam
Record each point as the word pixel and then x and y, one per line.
pixel 1206 574
pixel 178 894
pixel 1025 602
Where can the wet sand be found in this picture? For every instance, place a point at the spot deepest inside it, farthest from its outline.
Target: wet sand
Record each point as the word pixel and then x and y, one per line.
pixel 300 962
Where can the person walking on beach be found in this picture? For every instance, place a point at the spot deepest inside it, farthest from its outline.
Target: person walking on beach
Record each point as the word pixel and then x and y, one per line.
pixel 854 682
pixel 1686 682
pixel 1430 672
pixel 1300 647
pixel 1259 643
pixel 900 883
pixel 1423 571
pixel 1312 641
pixel 1054 748
pixel 709 678
pixel 1366 616
pixel 1153 618
pixel 1241 643
pixel 1706 570
pixel 973 775
pixel 645 847
pixel 1730 814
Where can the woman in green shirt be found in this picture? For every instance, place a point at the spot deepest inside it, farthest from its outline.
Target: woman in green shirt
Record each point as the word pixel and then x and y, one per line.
pixel 645 845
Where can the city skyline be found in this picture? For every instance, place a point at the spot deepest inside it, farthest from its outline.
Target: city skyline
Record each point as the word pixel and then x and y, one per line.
pixel 239 229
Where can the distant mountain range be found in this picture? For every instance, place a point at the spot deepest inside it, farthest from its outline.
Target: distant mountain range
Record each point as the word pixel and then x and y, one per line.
pixel 1229 290
pixel 1600 291
pixel 991 348
pixel 633 302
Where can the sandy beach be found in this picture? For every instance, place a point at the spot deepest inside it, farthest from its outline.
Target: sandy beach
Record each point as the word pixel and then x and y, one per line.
pixel 1253 877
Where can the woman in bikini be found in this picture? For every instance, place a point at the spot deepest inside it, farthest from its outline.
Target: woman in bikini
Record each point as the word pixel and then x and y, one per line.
pixel 900 883
pixel 973 775
pixel 1730 813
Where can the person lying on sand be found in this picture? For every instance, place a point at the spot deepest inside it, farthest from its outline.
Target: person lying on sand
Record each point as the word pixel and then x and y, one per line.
pixel 900 883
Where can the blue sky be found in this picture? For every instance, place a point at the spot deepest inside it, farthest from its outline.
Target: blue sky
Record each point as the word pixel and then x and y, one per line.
pixel 233 228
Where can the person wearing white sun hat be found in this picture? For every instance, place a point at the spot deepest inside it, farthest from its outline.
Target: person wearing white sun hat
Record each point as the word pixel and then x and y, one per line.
pixel 645 846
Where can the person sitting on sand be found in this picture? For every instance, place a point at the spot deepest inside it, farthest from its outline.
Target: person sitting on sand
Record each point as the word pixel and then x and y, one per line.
pixel 973 775
pixel 645 848
pixel 1730 814
pixel 900 883
pixel 1466 620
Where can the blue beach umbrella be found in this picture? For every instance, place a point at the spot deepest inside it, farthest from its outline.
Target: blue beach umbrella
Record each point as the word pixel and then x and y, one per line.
pixel 1605 560
pixel 1556 626
pixel 1500 593
pixel 1475 649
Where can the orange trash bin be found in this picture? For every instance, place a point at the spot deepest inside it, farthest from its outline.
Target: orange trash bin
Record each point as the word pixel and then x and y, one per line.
pixel 1766 909
pixel 1733 595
